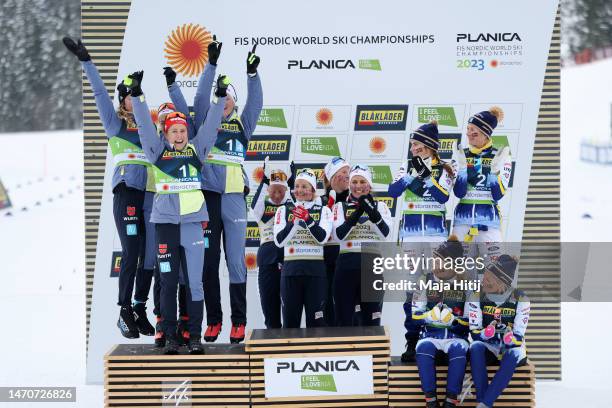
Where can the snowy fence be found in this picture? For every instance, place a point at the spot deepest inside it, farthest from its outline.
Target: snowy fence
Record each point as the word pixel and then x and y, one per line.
pixel 596 153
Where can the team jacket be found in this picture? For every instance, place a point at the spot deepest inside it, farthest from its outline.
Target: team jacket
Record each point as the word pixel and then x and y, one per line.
pixel 300 241
pixel 128 157
pixel 425 300
pixel 178 176
pixel 264 211
pixel 479 190
pixel 352 236
pixel 424 209
pixel 511 313
pixel 223 165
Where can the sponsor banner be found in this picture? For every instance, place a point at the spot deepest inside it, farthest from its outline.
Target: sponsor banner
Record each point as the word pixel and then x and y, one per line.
pixel 449 117
pixel 387 199
pixel 115 264
pixel 252 235
pixel 277 147
pixel 381 117
pixel 320 147
pixel 513 114
pixel 318 376
pixel 275 119
pixel 324 118
pixel 380 146
pixel 382 174
pixel 448 144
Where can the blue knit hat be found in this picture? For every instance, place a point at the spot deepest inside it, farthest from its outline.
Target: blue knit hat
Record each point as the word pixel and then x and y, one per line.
pixel 427 134
pixel 487 121
pixel 504 268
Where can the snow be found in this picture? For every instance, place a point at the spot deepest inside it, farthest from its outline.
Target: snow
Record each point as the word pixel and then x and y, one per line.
pixel 43 263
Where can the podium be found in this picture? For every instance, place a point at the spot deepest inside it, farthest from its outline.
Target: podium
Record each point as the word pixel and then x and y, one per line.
pixel 140 376
pixel 319 367
pixel 405 386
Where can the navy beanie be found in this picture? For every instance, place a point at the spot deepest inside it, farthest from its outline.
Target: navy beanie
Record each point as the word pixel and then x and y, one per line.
pixel 504 268
pixel 450 249
pixel 487 121
pixel 428 135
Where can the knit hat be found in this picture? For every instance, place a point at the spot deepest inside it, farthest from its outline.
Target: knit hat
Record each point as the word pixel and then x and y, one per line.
pixel 123 92
pixel 363 171
pixel 308 175
pixel 504 268
pixel 165 108
pixel 427 134
pixel 174 118
pixel 334 166
pixel 452 248
pixel 278 176
pixel 487 121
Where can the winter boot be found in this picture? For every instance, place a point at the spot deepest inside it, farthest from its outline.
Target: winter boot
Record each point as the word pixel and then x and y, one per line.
pixel 140 313
pixel 431 400
pixel 409 356
pixel 195 345
pixel 172 344
pixel 237 333
pixel 127 324
pixel 451 401
pixel 212 332
pixel 160 338
pixel 182 330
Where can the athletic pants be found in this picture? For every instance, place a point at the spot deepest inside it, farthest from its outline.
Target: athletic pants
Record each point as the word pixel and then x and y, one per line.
pixel 426 350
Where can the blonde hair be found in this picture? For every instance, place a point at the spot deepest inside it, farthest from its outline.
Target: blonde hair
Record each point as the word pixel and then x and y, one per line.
pixel 127 116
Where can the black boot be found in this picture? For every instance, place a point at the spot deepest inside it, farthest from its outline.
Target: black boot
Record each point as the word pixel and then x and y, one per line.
pixel 160 338
pixel 144 326
pixel 431 400
pixel 409 356
pixel 127 324
pixel 172 344
pixel 451 401
pixel 182 330
pixel 195 345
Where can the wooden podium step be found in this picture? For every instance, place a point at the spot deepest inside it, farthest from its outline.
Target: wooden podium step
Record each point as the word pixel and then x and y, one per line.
pixel 332 342
pixel 140 376
pixel 405 386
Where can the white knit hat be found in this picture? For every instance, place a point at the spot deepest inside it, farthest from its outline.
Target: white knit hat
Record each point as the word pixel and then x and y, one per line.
pixel 363 171
pixel 308 175
pixel 334 165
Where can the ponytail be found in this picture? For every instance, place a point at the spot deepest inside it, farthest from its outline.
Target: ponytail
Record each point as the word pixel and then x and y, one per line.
pixel 445 165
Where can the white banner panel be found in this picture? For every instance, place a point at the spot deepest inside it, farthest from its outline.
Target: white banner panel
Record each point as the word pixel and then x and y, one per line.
pixel 318 376
pixel 355 75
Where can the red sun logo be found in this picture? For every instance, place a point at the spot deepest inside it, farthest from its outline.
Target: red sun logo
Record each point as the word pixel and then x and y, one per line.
pixel 494 63
pixel 291 250
pixel 324 116
pixel 258 174
pixel 250 260
pixel 378 145
pixel 411 206
pixel 186 49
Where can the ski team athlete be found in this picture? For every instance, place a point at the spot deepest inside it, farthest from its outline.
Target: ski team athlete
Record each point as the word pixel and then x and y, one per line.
pixel 150 258
pixel 482 180
pixel 443 317
pixel 426 189
pixel 224 189
pixel 358 219
pixel 178 208
pixel 302 228
pixel 336 181
pixel 128 185
pixel 271 194
pixel 498 320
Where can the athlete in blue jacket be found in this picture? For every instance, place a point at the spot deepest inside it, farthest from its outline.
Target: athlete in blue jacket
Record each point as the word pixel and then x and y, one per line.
pixel 178 208
pixel 128 185
pixel 499 315
pixel 224 187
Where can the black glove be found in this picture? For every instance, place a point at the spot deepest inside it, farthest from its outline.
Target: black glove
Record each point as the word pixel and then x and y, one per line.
pixel 214 51
pixel 291 179
pixel 420 167
pixel 368 204
pixel 353 219
pixel 170 75
pixel 223 81
pixel 252 61
pixel 123 91
pixel 77 49
pixel 134 82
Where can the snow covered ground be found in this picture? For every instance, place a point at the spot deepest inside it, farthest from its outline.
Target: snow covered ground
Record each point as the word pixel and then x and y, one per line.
pixel 42 248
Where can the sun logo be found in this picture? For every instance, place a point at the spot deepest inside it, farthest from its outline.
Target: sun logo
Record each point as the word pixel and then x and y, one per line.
pixel 250 260
pixel 378 145
pixel 186 49
pixel 324 116
pixel 258 174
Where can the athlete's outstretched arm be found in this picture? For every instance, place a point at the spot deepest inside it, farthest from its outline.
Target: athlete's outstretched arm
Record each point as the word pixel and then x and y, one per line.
pixel 177 98
pixel 201 101
pixel 254 103
pixel 207 133
pixel 258 205
pixel 152 144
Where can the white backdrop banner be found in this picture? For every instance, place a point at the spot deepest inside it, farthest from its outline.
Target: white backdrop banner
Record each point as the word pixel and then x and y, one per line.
pixel 348 78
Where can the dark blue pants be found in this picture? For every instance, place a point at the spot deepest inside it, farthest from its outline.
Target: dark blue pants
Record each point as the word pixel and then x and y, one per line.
pixel 269 281
pixel 129 220
pixel 307 293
